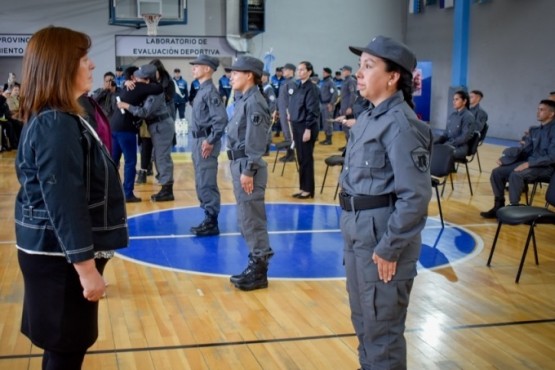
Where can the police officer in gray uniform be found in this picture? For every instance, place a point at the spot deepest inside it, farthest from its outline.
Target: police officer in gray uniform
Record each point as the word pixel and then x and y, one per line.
pixel 246 140
pixel 287 89
pixel 328 97
pixel 461 125
pixel 161 127
pixel 209 119
pixel 348 95
pixel 385 194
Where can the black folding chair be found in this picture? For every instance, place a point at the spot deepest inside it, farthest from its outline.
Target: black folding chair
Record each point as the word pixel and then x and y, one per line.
pixel 526 215
pixel 483 134
pixel 472 150
pixel 441 167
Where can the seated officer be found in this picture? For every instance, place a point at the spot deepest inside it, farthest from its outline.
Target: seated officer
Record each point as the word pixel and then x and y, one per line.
pixel 480 115
pixel 536 159
pixel 460 125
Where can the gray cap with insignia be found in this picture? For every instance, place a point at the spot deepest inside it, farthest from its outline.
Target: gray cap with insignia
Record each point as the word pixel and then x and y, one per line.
pixel 387 48
pixel 206 60
pixel 146 71
pixel 248 64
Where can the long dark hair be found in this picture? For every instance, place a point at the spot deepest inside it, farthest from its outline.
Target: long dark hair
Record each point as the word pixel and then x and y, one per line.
pixel 308 66
pixel 405 80
pixel 464 96
pixel 165 79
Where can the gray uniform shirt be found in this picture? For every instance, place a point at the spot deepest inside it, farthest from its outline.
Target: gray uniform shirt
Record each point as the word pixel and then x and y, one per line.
pixel 248 129
pixel 285 91
pixel 460 127
pixel 348 94
pixel 270 96
pixel 388 153
pixel 328 91
pixel 209 112
pixel 480 116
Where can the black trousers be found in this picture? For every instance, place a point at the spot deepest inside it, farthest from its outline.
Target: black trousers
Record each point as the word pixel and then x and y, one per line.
pixel 305 156
pixel 52 360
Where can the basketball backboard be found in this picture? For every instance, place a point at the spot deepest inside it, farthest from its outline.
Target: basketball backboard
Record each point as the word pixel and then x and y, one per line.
pixel 130 12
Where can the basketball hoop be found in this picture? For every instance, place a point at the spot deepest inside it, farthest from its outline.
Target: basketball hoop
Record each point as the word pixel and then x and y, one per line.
pixel 151 20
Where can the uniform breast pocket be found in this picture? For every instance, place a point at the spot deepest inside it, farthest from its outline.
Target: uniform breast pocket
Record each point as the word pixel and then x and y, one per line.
pixel 371 166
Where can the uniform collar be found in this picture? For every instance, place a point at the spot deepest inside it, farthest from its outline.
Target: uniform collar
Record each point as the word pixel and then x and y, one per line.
pixel 388 103
pixel 249 92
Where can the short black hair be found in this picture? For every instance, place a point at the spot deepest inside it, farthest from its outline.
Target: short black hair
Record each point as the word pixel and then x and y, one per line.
pixel 552 93
pixel 109 73
pixel 128 73
pixel 549 103
pixel 478 92
pixel 176 70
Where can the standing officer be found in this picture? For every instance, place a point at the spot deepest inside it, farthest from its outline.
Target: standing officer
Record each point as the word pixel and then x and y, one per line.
pixel 246 140
pixel 207 127
pixel 224 86
pixel 288 87
pixel 328 97
pixel 270 96
pixel 180 98
pixel 348 96
pixel 386 190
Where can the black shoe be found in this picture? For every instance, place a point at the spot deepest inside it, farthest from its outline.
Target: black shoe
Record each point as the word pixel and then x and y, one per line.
pixel 341 149
pixel 492 213
pixel 164 195
pixel 132 199
pixel 208 227
pixel 325 142
pixel 304 196
pixel 141 177
pixel 287 158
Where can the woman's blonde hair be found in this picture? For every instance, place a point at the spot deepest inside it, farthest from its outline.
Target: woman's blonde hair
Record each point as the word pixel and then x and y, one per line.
pixel 50 66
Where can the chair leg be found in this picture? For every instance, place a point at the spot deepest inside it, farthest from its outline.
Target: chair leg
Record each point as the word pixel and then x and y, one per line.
pixel 439 206
pixel 494 243
pixel 535 246
pixel 275 160
pixel 468 177
pixel 534 189
pixel 530 234
pixel 336 190
pixel 283 168
pixel 324 180
pixel 478 157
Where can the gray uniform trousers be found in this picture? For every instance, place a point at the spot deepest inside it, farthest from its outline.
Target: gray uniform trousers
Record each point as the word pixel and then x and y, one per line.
pixel 379 329
pixel 206 177
pixel 326 116
pixel 517 180
pixel 162 137
pixel 251 209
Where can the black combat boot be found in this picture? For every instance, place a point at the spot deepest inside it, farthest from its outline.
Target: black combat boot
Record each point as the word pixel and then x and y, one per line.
pixel 255 275
pixel 492 213
pixel 236 278
pixel 208 227
pixel 141 177
pixel 164 195
pixel 327 141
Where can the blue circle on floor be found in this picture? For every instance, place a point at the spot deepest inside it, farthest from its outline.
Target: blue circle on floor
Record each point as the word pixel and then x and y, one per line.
pixel 306 240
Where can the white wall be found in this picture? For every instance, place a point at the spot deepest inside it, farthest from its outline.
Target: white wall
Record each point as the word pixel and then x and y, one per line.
pixel 511 59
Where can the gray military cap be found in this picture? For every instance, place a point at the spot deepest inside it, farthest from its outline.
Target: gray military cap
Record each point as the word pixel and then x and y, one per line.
pixel 248 64
pixel 146 71
pixel 206 60
pixel 387 48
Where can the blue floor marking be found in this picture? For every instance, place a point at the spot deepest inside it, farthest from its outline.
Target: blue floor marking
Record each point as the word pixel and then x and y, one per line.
pixel 305 237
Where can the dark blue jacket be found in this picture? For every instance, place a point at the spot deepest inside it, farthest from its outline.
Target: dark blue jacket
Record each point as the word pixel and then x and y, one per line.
pixel 71 202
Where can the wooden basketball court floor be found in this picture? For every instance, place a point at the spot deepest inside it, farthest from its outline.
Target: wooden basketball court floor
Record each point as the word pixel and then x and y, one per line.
pixel 463 316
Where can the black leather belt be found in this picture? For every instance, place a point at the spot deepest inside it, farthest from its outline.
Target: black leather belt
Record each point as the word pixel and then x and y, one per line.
pixel 159 118
pixel 351 203
pixel 201 133
pixel 236 154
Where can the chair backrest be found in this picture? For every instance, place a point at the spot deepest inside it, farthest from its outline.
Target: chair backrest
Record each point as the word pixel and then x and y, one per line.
pixel 550 193
pixel 442 162
pixel 473 144
pixel 483 133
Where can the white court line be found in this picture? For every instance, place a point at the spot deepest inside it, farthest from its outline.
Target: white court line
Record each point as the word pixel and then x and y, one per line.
pixel 235 234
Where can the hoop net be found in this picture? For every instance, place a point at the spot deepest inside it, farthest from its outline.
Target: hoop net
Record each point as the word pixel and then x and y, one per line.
pixel 151 20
